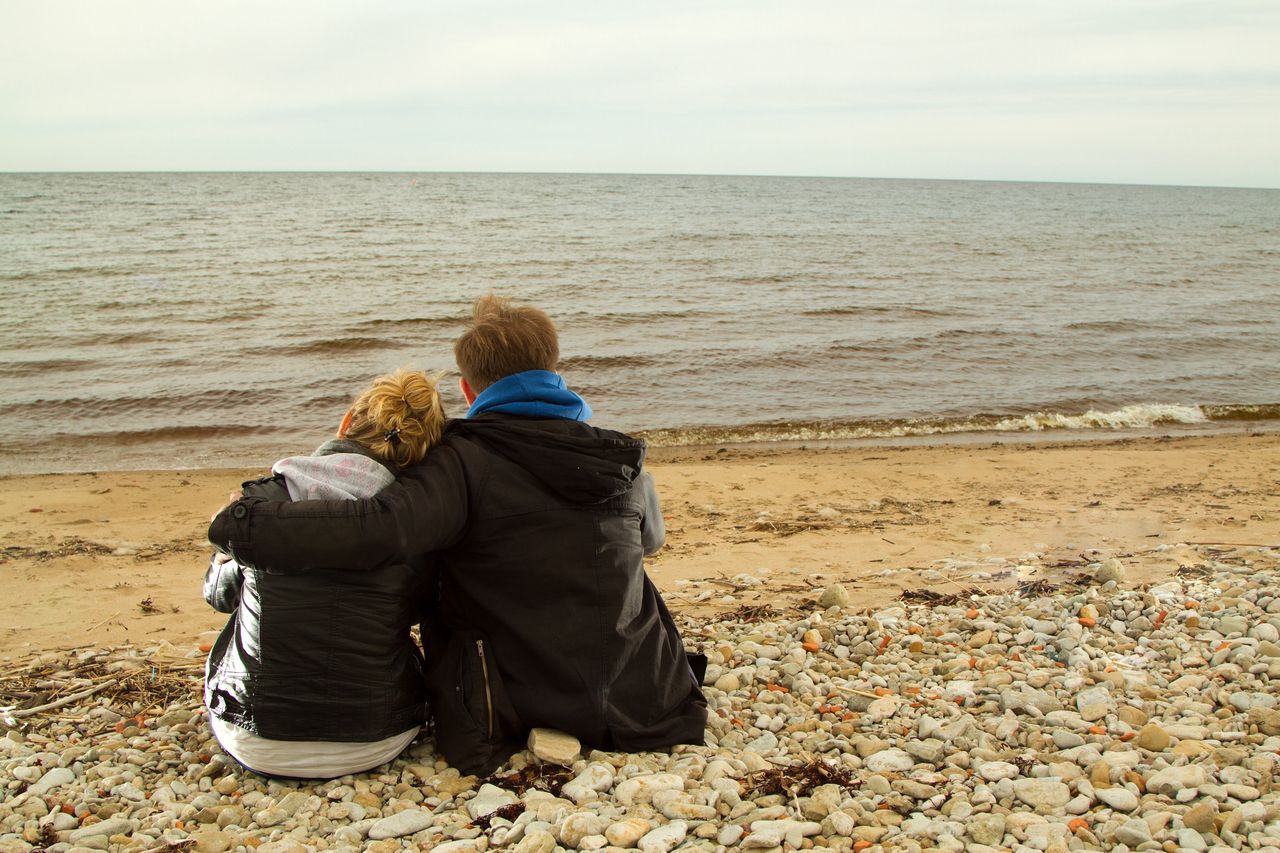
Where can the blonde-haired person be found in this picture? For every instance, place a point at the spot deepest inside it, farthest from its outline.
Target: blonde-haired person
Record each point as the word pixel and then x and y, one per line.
pixel 315 674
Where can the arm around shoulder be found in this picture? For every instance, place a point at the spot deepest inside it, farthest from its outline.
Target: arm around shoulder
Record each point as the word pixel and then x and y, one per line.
pixel 424 510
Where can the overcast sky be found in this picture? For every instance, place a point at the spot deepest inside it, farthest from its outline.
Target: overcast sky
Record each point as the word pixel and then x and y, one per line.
pixel 1086 90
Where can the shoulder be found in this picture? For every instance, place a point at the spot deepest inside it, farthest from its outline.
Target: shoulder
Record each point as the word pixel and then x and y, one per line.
pixel 271 488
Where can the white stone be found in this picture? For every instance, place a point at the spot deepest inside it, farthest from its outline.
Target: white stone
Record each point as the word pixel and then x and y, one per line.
pixel 1171 780
pixel 55 777
pixel 1120 799
pixel 664 838
pixel 489 799
pixel 834 596
pixel 1110 570
pixel 627 833
pixel 400 824
pixel 537 841
pixel 1042 794
pixel 994 771
pixel 587 785
pixel 554 747
pixel 108 827
pixel 579 825
pixel 640 789
pixel 889 760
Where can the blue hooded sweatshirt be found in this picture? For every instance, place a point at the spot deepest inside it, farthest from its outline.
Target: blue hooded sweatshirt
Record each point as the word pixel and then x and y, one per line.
pixel 533 394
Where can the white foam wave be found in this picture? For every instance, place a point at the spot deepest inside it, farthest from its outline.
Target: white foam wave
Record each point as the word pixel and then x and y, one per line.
pixel 1130 417
pixel 1140 416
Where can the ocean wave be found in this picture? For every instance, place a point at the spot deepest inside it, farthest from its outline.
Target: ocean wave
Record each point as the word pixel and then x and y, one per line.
pixel 605 362
pixel 335 346
pixel 42 366
pixel 1139 416
pixel 148 406
pixel 406 323
pixel 860 310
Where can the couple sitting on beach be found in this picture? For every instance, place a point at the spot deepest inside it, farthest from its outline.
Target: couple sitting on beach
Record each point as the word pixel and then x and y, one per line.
pixel 516 536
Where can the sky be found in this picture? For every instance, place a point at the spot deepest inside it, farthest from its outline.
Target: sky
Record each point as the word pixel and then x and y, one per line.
pixel 1081 91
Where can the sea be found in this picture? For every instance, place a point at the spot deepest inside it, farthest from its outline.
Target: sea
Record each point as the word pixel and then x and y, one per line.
pixel 154 320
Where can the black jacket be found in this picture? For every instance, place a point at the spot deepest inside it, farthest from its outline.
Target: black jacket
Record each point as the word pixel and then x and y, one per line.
pixel 315 655
pixel 546 615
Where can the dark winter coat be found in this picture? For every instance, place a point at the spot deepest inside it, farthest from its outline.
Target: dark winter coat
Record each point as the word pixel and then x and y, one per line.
pixel 320 654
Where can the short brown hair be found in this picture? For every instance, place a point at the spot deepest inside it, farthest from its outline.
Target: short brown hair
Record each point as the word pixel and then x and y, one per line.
pixel 399 417
pixel 503 339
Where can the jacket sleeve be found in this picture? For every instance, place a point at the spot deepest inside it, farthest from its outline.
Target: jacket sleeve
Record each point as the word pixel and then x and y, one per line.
pixel 222 586
pixel 424 510
pixel 653 530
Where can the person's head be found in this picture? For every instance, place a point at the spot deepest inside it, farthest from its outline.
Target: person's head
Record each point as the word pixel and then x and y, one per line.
pixel 398 417
pixel 503 339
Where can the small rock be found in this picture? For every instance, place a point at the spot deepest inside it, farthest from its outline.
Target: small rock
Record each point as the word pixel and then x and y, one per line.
pixel 554 747
pixel 1153 737
pixel 664 838
pixel 1172 780
pixel 627 833
pixel 1119 799
pixel 1200 816
pixel 1044 795
pixel 834 596
pixel 1110 570
pixel 890 760
pixel 402 823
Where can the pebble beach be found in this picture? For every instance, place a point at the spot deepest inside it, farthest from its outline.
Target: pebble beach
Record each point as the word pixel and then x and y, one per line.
pixel 1083 715
pixel 971 647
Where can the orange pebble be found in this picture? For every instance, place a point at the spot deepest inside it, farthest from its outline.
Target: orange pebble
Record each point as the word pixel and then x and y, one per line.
pixel 810 647
pixel 205 647
pixel 1077 824
pixel 1127 736
pixel 1097 730
pixel 915 629
pixel 971 613
pixel 860 845
pixel 882 691
pixel 1087 621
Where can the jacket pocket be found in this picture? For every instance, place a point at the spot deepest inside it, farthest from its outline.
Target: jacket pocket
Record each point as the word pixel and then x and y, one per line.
pixel 476 726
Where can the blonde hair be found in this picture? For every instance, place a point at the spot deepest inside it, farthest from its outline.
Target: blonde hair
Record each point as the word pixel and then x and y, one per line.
pixel 503 339
pixel 399 417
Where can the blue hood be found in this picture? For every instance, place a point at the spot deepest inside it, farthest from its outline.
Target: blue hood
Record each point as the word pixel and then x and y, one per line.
pixel 534 394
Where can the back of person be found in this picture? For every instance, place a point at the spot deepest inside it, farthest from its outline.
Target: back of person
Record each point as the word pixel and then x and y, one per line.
pixel 548 617
pixel 316 674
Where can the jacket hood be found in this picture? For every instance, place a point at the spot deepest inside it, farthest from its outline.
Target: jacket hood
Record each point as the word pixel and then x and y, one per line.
pixel 577 462
pixel 338 470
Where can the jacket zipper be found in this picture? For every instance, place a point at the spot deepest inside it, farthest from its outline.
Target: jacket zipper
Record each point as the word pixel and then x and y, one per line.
pixel 488 693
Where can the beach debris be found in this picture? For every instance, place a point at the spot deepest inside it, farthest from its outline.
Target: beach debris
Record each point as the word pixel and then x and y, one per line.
pixel 799 780
pixel 147 606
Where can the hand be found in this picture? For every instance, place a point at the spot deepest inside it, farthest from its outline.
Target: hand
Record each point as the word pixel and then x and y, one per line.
pixel 231 498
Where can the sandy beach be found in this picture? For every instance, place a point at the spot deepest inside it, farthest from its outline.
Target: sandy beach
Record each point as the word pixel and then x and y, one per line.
pixel 103 558
pixel 977 647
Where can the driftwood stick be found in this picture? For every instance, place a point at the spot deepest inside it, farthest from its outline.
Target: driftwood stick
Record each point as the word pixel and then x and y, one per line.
pixel 65 700
pixel 103 622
